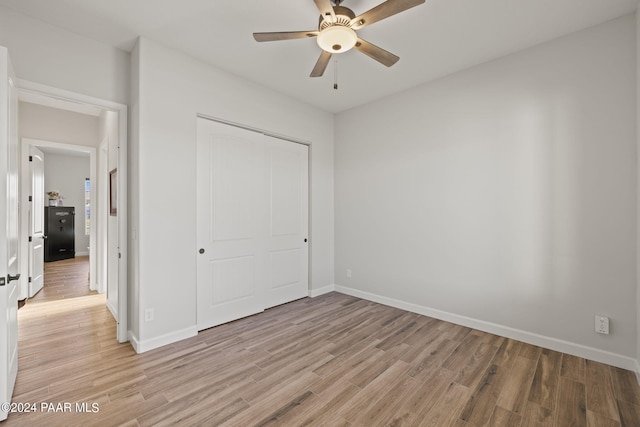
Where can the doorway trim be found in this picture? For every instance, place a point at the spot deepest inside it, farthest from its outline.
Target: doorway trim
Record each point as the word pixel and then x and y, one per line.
pixel 55 94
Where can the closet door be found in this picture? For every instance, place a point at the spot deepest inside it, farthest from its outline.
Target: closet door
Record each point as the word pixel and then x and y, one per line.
pixel 287 239
pixel 249 192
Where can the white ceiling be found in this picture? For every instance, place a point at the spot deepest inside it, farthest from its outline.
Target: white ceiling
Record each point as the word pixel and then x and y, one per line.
pixel 434 39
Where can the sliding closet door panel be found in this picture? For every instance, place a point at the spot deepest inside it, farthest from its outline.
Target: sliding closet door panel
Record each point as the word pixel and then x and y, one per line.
pixel 230 193
pixel 252 222
pixel 288 214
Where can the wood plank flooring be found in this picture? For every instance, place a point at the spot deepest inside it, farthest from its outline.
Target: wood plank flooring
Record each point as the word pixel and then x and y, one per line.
pixel 63 279
pixel 333 360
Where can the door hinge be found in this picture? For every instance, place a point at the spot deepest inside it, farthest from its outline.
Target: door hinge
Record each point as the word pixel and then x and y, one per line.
pixel 31 158
pixel 30 238
pixel 31 198
pixel 29 279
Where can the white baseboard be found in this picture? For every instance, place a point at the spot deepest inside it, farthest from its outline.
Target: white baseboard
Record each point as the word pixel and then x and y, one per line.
pixel 320 291
pixel 82 253
pixel 638 370
pixel 133 340
pixel 170 338
pixel 574 349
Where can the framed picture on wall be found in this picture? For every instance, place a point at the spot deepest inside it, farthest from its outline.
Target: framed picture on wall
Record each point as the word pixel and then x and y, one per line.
pixel 113 192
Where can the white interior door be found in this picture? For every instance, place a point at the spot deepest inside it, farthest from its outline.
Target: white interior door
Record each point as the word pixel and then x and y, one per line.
pixel 230 196
pixel 36 224
pixel 8 231
pixel 287 241
pixel 252 221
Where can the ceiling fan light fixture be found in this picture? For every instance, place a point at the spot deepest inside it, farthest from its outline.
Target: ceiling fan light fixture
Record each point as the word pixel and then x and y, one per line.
pixel 337 39
pixel 337 26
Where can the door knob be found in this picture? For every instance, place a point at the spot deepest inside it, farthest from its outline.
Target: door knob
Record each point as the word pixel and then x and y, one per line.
pixel 201 250
pixel 11 278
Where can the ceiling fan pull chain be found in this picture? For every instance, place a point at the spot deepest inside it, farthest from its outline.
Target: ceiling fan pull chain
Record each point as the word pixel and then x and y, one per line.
pixel 335 74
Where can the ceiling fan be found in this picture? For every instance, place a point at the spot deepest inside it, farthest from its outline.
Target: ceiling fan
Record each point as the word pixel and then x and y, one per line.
pixel 336 31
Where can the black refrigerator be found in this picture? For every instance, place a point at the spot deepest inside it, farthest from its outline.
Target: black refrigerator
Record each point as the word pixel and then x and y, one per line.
pixel 60 240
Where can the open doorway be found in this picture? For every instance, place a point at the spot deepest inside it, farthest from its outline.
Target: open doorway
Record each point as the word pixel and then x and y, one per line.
pixel 72 130
pixel 60 213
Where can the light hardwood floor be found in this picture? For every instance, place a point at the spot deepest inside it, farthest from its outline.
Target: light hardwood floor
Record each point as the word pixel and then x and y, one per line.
pixel 334 360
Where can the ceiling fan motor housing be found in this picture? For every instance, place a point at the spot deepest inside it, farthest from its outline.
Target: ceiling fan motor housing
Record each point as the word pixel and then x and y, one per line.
pixel 344 15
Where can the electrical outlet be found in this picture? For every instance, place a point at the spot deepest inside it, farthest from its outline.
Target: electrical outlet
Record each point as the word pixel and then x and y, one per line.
pixel 602 325
pixel 349 273
pixel 148 314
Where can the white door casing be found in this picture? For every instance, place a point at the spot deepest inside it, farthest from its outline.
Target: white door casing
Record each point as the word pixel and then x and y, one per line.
pixel 36 223
pixel 252 222
pixel 9 266
pixel 123 224
pixel 102 216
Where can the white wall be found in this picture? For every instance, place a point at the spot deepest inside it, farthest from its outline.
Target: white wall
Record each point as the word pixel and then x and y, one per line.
pixel 45 54
pixel 503 196
pixel 66 174
pixel 52 124
pixel 172 89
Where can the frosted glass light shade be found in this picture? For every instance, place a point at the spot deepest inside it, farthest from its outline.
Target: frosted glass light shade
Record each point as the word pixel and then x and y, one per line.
pixel 337 39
